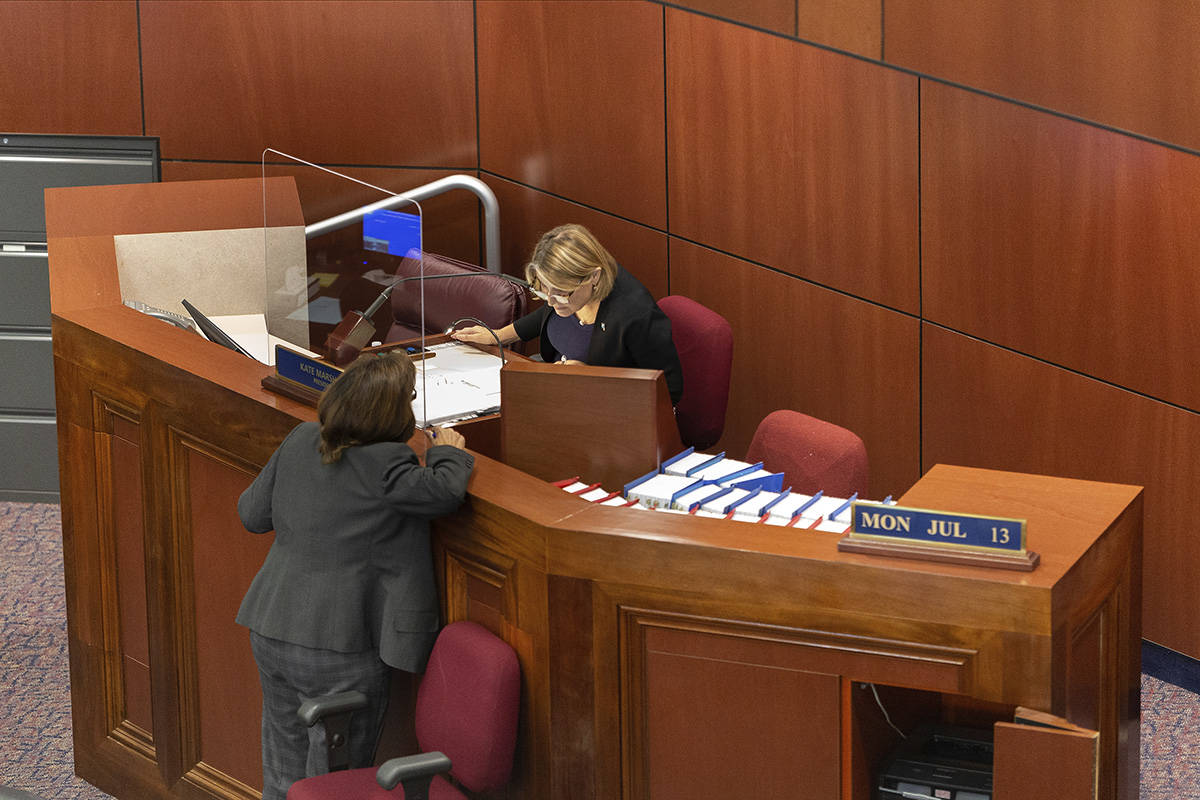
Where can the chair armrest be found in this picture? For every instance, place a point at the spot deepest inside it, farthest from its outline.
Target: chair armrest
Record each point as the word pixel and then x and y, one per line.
pixel 422 767
pixel 9 793
pixel 313 711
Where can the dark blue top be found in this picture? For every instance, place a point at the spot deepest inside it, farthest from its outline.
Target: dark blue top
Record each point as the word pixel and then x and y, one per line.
pixel 570 337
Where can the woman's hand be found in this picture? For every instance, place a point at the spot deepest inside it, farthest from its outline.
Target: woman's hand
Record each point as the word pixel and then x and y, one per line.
pixel 476 334
pixel 447 436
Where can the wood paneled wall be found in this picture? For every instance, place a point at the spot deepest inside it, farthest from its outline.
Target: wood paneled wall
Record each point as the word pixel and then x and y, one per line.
pixel 903 241
pixel 1128 64
pixel 333 82
pixel 70 67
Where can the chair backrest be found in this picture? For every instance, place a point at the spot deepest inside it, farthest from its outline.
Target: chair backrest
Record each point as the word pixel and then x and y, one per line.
pixel 704 342
pixel 812 454
pixel 468 704
pixel 494 301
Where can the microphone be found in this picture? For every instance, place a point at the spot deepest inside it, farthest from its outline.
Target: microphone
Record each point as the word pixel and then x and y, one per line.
pixel 356 329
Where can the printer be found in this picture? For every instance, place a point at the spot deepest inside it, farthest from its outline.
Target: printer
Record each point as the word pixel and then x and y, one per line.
pixel 939 762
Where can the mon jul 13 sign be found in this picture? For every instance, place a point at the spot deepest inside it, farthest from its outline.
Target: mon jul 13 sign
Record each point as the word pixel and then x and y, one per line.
pixel 938 528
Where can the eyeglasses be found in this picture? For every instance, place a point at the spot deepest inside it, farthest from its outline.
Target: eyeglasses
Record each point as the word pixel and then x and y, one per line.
pixel 544 291
pixel 558 299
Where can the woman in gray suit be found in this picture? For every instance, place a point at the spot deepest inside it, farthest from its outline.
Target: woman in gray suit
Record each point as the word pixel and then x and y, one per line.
pixel 347 589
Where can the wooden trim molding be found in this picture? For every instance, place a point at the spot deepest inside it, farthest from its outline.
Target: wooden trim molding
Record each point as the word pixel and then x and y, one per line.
pixel 171 543
pixel 106 414
pixel 470 574
pixel 179 563
pixel 215 783
pixel 862 658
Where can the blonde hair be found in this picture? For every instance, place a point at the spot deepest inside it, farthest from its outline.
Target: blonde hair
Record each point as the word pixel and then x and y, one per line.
pixel 370 402
pixel 568 256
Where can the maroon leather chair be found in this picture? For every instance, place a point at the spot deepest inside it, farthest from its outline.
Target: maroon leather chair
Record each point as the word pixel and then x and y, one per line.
pixel 704 342
pixel 466 724
pixel 493 301
pixel 811 453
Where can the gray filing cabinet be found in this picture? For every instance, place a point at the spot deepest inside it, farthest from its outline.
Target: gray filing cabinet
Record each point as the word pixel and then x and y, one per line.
pixel 30 163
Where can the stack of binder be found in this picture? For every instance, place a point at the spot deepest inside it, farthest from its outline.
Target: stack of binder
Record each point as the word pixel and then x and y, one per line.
pixel 707 485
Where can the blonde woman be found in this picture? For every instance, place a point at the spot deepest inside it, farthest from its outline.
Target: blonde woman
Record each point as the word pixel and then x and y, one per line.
pixel 595 312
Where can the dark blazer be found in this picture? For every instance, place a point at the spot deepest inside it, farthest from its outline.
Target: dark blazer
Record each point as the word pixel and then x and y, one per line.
pixel 351 567
pixel 630 331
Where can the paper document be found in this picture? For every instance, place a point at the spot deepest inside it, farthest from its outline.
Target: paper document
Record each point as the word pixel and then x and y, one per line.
pixel 250 331
pixel 458 383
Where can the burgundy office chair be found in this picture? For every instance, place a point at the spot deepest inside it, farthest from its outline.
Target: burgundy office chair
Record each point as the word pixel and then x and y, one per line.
pixel 811 453
pixel 704 341
pixel 494 301
pixel 466 724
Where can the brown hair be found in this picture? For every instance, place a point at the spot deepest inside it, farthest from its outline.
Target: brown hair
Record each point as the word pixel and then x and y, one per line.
pixel 370 402
pixel 567 256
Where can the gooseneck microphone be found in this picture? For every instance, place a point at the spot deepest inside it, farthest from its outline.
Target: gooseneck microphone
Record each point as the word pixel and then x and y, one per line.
pixel 356 329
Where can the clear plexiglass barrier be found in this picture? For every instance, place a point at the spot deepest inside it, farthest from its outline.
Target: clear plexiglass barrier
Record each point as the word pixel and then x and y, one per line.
pixel 330 264
pixel 333 255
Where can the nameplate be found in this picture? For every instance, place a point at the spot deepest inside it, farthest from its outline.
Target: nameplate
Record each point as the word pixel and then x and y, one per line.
pixel 877 522
pixel 939 536
pixel 309 372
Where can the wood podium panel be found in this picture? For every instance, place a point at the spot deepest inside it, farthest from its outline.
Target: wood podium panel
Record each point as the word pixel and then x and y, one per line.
pixel 617 615
pixel 706 701
pixel 1045 763
pixel 604 424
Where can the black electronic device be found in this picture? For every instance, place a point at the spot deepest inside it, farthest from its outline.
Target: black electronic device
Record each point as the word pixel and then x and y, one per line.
pixel 939 762
pixel 213 332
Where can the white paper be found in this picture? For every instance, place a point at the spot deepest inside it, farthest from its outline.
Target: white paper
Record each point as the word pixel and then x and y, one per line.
pixel 784 509
pixel 457 383
pixel 722 502
pixel 721 469
pixel 681 466
pixel 657 491
pixel 250 331
pixel 697 495
pixel 824 507
pixel 751 510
